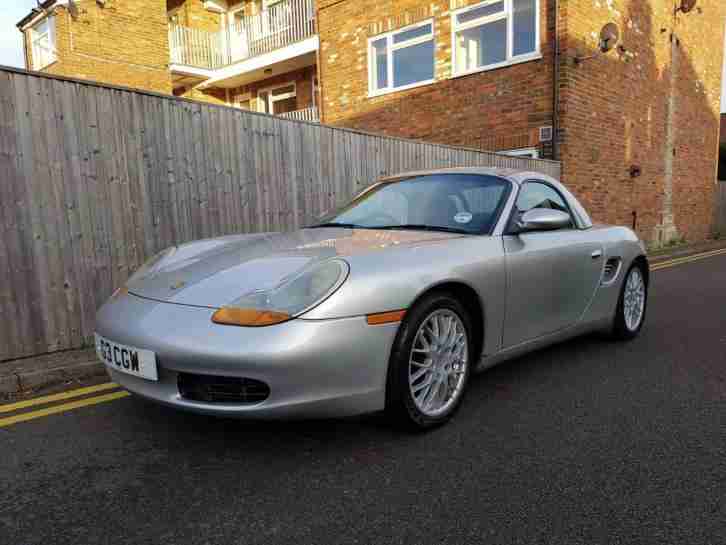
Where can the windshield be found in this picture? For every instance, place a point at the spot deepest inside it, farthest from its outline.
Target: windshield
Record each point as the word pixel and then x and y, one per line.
pixel 463 203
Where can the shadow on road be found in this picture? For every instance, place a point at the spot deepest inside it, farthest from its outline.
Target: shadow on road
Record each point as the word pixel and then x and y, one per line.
pixel 485 389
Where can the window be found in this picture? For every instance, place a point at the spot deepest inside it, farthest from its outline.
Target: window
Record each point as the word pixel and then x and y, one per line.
pixel 278 100
pixel 401 59
pixel 540 195
pixel 42 42
pixel 236 17
pixel 495 33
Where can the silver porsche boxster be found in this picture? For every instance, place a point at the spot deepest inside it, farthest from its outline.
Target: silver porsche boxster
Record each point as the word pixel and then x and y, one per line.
pixel 389 303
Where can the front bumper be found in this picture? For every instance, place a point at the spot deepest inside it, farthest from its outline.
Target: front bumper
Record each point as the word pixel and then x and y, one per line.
pixel 314 368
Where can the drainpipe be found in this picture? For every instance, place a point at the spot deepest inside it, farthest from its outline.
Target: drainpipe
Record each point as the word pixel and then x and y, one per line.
pixel 318 70
pixel 556 86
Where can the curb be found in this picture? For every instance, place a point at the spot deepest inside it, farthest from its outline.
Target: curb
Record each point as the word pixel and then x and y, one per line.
pixel 22 383
pixel 685 250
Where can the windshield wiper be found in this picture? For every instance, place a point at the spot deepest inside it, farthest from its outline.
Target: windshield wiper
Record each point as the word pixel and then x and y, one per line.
pixel 341 225
pixel 423 227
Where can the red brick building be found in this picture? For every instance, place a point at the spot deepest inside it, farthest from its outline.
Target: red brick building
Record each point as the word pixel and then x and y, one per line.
pixel 636 127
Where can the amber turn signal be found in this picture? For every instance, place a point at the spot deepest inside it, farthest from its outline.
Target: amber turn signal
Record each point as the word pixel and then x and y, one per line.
pixel 385 317
pixel 248 317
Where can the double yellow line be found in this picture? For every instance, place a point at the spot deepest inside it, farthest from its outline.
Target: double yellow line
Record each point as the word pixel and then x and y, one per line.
pixel 686 259
pixel 23 411
pixel 21 415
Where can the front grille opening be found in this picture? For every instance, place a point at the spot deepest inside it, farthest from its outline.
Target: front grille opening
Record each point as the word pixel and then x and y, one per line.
pixel 216 389
pixel 612 267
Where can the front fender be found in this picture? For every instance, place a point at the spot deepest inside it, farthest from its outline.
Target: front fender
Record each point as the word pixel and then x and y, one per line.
pixel 396 278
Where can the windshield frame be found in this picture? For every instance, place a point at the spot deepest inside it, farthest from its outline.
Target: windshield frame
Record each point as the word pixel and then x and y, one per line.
pixel 496 216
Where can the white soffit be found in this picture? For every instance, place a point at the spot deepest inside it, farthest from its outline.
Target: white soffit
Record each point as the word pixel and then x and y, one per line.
pixel 248 69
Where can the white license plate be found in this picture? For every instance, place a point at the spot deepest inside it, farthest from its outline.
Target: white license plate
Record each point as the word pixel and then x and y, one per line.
pixel 127 359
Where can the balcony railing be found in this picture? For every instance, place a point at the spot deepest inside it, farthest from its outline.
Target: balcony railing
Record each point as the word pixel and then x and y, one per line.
pixel 197 48
pixel 306 114
pixel 280 25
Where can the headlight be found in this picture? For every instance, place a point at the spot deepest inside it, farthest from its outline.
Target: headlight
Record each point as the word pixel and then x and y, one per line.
pixel 151 265
pixel 291 298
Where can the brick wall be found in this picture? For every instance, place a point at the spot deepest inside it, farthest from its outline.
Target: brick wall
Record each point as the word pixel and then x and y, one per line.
pixel 649 106
pixel 193 14
pixel 213 95
pixel 638 107
pixel 498 109
pixel 123 43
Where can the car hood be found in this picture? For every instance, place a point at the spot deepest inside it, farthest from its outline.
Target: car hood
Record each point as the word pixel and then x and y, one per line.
pixel 214 272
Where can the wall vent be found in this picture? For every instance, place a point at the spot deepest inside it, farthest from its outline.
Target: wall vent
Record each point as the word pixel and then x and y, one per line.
pixel 545 134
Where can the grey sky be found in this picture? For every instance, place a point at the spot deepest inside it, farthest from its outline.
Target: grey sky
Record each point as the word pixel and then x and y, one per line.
pixel 11 43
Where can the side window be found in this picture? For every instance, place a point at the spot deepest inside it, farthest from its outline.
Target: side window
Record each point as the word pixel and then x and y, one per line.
pixel 479 202
pixel 484 199
pixel 540 195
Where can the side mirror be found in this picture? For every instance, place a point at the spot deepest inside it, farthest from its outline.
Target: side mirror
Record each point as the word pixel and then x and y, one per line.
pixel 543 219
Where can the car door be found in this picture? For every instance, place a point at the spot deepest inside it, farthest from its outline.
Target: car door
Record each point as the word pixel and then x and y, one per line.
pixel 551 275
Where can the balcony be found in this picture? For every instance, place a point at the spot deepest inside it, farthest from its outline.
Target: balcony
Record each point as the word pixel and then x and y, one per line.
pixel 281 27
pixel 197 48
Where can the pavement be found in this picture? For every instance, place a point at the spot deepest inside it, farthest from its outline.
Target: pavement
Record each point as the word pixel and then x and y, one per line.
pixel 49 373
pixel 586 442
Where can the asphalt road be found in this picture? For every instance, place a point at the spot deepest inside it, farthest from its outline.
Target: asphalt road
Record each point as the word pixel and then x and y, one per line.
pixel 587 442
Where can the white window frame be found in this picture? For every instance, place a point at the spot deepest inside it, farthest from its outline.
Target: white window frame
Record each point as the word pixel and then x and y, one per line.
pixel 50 36
pixel 390 48
pixel 278 98
pixel 532 153
pixel 506 14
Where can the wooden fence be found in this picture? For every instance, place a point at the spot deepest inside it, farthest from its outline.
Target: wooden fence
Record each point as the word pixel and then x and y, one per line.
pixel 95 179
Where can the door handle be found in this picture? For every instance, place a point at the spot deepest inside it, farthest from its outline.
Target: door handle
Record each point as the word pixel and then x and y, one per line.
pixel 597 254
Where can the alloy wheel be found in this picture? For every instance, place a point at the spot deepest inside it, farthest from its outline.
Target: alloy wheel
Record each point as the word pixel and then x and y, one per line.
pixel 438 362
pixel 634 299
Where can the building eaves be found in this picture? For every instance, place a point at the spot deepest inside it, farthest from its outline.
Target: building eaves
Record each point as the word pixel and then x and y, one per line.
pixel 43 7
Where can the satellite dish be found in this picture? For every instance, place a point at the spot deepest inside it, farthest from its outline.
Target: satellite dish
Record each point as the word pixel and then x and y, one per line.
pixel 687 5
pixel 610 35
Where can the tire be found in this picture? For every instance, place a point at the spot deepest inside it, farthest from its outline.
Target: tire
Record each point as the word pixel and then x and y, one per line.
pixel 624 328
pixel 449 369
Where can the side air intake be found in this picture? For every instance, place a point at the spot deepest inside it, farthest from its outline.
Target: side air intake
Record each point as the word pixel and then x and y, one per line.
pixel 612 268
